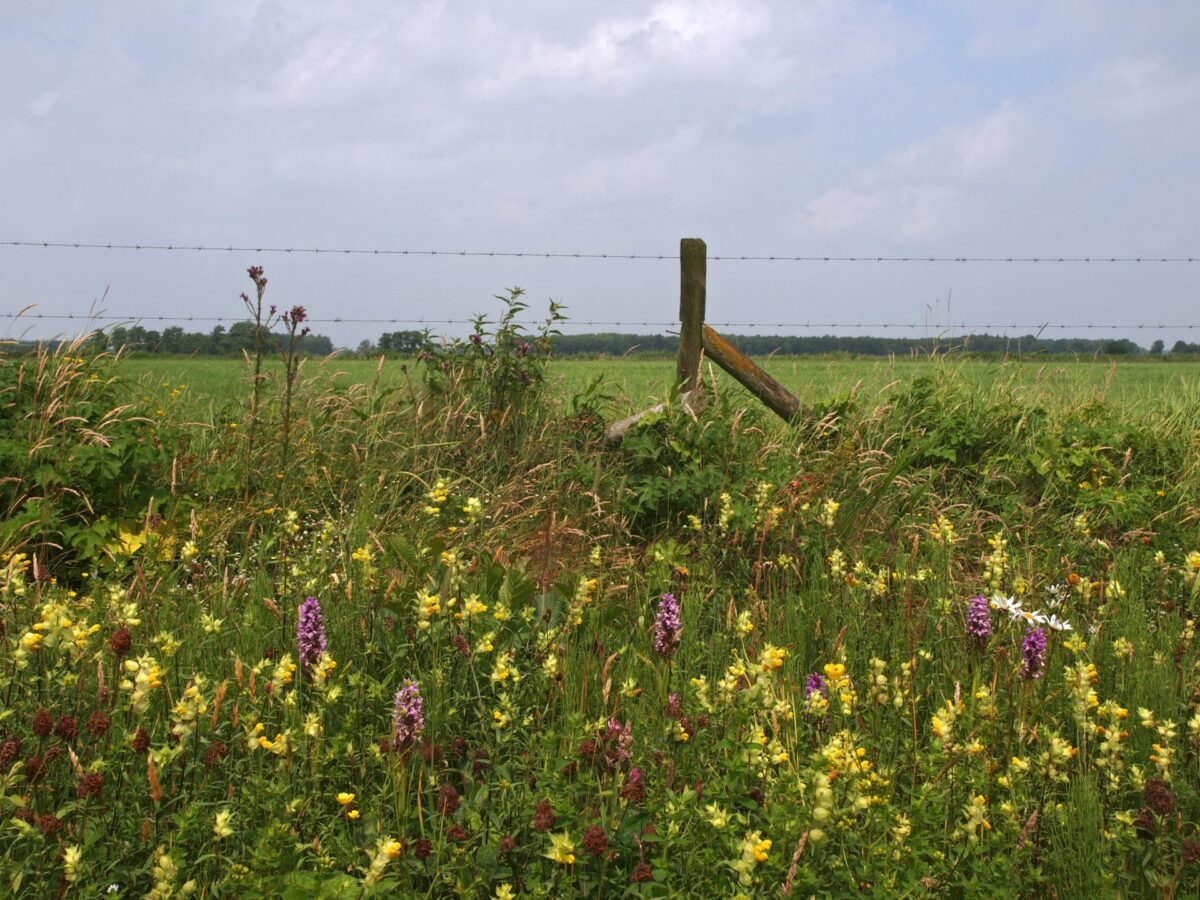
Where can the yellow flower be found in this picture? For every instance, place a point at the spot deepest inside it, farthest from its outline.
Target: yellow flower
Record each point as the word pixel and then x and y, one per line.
pixel 221 826
pixel 754 851
pixel 504 669
pixel 32 641
pixel 762 850
pixel 473 607
pixel 562 849
pixel 392 848
pixel 428 606
pixel 72 857
pixel 717 817
pixel 361 555
pixel 279 746
pixel 345 798
pixel 772 657
pixel 353 815
pixel 976 822
pixel 284 672
pixel 744 624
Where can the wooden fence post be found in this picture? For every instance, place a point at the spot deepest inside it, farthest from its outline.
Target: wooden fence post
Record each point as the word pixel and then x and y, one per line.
pixel 693 264
pixel 776 397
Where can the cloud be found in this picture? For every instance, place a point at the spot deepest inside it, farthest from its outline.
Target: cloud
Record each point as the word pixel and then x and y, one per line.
pixel 757 50
pixel 363 162
pixel 915 212
pixel 16 139
pixel 926 190
pixel 654 171
pixel 961 152
pixel 675 37
pixel 44 102
pixel 328 70
pixel 1135 88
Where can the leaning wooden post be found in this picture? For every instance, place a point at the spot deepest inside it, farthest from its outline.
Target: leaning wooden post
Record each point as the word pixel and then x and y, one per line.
pixel 693 263
pixel 777 398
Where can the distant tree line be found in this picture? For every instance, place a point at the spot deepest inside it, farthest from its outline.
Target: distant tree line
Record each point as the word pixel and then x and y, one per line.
pixel 404 343
pixel 763 345
pixel 240 336
pixel 218 342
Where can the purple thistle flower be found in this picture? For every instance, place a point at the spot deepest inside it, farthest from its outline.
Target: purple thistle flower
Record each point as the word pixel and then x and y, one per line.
pixel 408 716
pixel 1033 654
pixel 814 684
pixel 310 632
pixel 979 620
pixel 666 626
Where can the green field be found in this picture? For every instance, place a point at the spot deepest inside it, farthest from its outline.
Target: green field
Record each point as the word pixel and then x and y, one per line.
pixel 937 637
pixel 636 382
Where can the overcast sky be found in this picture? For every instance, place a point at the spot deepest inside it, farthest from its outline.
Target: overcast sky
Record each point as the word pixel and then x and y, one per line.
pixel 789 128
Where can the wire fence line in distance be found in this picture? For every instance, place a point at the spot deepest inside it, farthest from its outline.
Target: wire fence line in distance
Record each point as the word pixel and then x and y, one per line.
pixel 1048 258
pixel 930 326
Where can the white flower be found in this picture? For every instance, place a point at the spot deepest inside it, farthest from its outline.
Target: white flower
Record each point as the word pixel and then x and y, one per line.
pixel 1035 616
pixel 1010 605
pixel 1058 624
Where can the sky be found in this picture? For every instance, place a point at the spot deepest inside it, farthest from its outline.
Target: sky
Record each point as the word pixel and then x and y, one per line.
pixel 816 128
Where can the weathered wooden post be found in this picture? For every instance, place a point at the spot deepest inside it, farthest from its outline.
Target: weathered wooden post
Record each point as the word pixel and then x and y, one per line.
pixel 693 275
pixel 697 339
pixel 777 398
pixel 693 266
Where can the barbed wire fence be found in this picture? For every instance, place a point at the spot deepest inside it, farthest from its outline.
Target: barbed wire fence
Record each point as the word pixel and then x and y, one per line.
pixel 581 254
pixel 1041 326
pixel 27 314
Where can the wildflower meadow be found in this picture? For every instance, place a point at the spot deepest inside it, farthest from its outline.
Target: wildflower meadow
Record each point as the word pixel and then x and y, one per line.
pixel 426 634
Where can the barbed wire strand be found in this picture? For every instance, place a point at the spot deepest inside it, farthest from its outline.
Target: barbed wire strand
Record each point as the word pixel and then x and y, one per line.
pixel 1131 326
pixel 552 254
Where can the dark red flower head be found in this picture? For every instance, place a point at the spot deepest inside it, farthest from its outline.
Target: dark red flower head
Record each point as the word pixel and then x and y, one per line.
pixel 121 642
pixel 43 723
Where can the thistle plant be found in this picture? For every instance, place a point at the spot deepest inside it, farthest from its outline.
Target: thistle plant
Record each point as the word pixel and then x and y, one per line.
pixel 262 327
pixel 293 322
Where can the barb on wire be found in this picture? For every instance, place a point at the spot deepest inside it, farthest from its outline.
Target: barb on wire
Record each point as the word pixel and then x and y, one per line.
pixel 581 254
pixel 941 327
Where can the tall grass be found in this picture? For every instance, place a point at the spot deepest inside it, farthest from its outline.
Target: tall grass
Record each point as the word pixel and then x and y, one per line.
pixel 826 723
